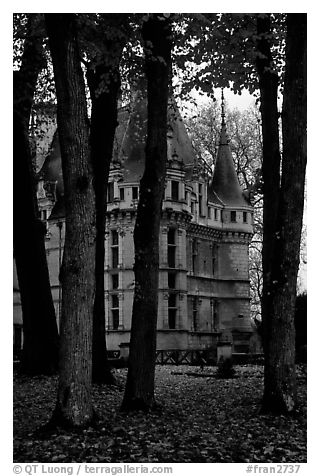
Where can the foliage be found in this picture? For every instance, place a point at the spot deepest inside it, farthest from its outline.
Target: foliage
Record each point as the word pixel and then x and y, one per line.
pixel 220 50
pixel 203 420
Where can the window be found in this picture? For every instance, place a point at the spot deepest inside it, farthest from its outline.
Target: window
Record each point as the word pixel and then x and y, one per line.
pixel 192 208
pixel 121 193
pixel 214 258
pixel 172 248
pixel 114 237
pixel 115 281
pixel 115 257
pixel 195 313
pixel 171 256
pixel 215 214
pixel 215 315
pixel 209 213
pixel 172 311
pixel 134 193
pixel 194 255
pixel 115 311
pixel 245 217
pixel 233 216
pixel 115 301
pixel 200 199
pixel 171 280
pixel 110 192
pixel 114 248
pixel 43 215
pixel 174 190
pixel 171 236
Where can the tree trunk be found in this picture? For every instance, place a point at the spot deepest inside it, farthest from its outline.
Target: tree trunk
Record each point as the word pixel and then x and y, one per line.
pixel 104 84
pixel 139 392
pixel 40 346
pixel 74 403
pixel 268 83
pixel 280 381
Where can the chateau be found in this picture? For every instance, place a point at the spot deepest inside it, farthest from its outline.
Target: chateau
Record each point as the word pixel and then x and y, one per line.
pixel 206 227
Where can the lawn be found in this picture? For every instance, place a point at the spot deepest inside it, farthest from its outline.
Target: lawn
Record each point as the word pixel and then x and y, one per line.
pixel 201 420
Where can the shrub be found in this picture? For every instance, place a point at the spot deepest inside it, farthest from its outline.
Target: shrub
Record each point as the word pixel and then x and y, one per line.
pixel 225 368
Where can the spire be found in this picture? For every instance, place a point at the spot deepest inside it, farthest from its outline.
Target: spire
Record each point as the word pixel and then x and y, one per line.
pixel 225 182
pixel 224 140
pixel 223 115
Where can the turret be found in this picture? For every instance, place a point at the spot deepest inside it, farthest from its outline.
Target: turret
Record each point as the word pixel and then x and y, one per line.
pixel 224 188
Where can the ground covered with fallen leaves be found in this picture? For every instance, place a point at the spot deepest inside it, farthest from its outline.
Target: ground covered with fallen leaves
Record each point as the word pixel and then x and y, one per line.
pixel 201 420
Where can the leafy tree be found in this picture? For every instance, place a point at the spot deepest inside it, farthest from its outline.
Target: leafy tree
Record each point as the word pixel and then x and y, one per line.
pixel 74 403
pixel 40 347
pixel 139 392
pixel 248 51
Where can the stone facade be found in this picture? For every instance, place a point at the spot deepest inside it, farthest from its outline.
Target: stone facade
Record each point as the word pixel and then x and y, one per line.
pixel 205 232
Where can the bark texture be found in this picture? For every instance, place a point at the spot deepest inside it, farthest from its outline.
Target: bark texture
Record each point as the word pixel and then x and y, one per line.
pixel 74 403
pixel 40 346
pixel 139 392
pixel 268 84
pixel 103 78
pixel 280 381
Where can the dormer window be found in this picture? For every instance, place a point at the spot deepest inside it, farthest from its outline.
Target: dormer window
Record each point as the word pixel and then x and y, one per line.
pixel 110 192
pixel 43 215
pixel 174 190
pixel 245 217
pixel 215 214
pixel 233 216
pixel 121 191
pixel 200 199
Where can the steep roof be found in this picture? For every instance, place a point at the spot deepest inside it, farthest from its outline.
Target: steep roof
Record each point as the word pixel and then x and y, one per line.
pixel 131 152
pixel 179 143
pixel 224 183
pixel 51 171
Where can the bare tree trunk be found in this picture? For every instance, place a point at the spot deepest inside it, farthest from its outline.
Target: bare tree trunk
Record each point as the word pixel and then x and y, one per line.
pixel 139 392
pixel 74 403
pixel 104 84
pixel 280 381
pixel 268 83
pixel 40 347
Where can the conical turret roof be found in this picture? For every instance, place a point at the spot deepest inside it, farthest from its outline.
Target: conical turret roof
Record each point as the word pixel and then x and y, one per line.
pixel 132 150
pixel 225 184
